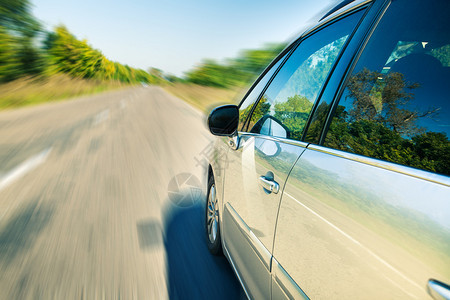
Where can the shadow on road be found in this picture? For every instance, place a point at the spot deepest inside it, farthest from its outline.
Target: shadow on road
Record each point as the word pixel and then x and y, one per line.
pixel 193 273
pixel 22 230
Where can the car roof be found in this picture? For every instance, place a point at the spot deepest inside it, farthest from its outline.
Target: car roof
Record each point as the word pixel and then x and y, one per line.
pixel 337 11
pixel 336 8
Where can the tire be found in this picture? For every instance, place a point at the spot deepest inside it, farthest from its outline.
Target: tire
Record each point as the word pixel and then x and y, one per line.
pixel 212 220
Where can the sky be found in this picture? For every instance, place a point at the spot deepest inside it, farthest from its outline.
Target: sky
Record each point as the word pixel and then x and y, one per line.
pixel 176 35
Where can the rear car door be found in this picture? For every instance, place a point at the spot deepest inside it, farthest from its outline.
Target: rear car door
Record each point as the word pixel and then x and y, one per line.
pixel 365 212
pixel 268 146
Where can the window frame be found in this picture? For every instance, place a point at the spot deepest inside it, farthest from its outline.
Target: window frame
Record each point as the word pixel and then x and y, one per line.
pixel 373 17
pixel 366 5
pixel 339 72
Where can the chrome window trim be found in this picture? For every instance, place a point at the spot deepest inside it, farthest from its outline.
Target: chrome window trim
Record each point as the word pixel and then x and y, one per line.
pixel 409 171
pixel 286 283
pixel 261 251
pixel 344 10
pixel 274 138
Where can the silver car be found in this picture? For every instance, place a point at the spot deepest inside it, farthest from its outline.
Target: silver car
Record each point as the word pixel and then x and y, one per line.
pixel 330 179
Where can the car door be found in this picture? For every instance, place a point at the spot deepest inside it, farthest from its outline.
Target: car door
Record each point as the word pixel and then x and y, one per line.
pixel 365 212
pixel 267 148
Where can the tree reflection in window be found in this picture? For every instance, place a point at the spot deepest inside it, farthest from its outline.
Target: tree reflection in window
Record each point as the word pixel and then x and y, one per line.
pixel 291 95
pixel 261 110
pixel 380 119
pixel 293 114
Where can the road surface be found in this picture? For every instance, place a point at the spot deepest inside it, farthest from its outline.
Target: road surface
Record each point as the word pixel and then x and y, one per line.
pixel 88 206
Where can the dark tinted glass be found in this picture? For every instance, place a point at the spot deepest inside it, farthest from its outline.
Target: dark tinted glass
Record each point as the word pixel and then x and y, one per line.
pixel 292 93
pixel 395 105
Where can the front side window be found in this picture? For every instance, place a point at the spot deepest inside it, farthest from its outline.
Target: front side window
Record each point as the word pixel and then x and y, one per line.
pixel 284 108
pixel 395 105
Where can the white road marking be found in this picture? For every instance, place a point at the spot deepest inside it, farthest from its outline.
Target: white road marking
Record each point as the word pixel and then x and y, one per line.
pixel 400 287
pixel 24 168
pixel 359 244
pixel 101 117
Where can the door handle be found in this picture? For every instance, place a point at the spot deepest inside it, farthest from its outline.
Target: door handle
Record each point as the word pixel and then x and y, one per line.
pixel 438 290
pixel 269 185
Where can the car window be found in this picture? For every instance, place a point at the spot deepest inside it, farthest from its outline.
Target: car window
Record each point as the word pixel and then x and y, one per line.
pixel 395 104
pixel 290 96
pixel 247 104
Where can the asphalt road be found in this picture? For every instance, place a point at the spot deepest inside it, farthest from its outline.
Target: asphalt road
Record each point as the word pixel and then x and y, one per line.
pixel 92 204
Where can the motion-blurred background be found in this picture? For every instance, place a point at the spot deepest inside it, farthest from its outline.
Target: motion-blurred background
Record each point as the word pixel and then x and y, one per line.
pixel 101 162
pixel 51 50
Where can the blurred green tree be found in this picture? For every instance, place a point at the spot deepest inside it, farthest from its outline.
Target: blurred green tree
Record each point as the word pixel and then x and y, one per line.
pixel 77 58
pixel 234 72
pixel 18 30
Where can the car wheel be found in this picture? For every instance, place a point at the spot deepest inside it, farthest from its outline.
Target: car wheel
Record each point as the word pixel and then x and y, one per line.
pixel 212 223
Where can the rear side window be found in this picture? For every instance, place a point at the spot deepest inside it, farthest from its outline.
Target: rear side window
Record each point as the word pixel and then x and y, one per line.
pixel 284 108
pixel 395 105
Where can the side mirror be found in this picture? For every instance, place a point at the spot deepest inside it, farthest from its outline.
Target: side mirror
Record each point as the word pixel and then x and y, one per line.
pixel 223 120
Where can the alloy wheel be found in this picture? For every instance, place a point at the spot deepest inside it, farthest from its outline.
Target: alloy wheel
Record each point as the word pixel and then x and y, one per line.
pixel 213 215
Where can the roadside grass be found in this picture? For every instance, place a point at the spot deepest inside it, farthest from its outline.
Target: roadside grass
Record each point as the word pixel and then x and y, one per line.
pixel 203 97
pixel 31 91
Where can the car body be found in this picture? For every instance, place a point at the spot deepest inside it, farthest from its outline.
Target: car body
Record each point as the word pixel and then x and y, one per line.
pixel 330 179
